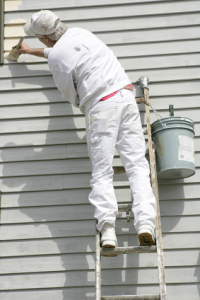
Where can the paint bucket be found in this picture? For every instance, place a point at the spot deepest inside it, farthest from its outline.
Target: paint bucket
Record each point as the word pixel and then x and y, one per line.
pixel 174 145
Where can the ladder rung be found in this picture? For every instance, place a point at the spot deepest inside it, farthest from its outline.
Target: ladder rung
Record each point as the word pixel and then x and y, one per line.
pixel 124 207
pixel 119 170
pixel 136 297
pixel 128 250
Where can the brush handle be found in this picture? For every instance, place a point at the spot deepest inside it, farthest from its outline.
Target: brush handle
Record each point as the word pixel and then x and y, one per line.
pixel 18 46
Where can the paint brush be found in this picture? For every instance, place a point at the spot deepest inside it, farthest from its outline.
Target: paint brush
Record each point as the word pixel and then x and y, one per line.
pixel 13 55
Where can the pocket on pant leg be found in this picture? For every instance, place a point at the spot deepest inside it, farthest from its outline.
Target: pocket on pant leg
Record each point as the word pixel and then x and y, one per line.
pixel 134 122
pixel 133 109
pixel 135 127
pixel 102 129
pixel 103 121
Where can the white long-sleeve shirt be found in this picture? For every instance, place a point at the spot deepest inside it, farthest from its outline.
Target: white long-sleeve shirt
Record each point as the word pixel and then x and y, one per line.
pixel 84 68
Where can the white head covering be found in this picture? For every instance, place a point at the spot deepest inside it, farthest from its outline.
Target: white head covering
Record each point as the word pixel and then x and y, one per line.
pixel 42 23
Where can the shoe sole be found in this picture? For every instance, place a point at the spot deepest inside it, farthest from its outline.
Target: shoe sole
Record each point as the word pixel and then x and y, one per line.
pixel 146 239
pixel 109 245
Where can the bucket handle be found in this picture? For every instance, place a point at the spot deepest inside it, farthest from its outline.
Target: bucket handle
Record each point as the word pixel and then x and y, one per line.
pixel 158 116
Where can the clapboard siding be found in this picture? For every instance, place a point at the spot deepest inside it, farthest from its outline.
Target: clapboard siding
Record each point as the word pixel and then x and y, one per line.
pixel 55 137
pixel 143 63
pixel 176 74
pixel 14 31
pixel 68 245
pixel 49 97
pixel 41 230
pixel 125 8
pixel 56 152
pixel 36 118
pixel 71 181
pixel 70 262
pixel 71 166
pixel 88 293
pixel 136 50
pixel 67 197
pixel 15 5
pixel 72 212
pixel 176 290
pixel 152 21
pixel 47 226
pixel 126 37
pixel 87 278
pixel 43 153
pixel 158 89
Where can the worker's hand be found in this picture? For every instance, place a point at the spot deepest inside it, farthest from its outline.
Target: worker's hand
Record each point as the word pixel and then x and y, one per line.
pixel 25 49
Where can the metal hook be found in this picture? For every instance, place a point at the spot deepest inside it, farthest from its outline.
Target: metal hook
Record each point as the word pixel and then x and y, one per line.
pixel 128 216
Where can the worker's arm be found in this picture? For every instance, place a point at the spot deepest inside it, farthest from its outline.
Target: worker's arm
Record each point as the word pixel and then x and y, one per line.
pixel 25 49
pixel 65 83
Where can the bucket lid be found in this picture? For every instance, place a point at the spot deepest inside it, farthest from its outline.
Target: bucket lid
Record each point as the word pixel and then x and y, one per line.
pixel 172 122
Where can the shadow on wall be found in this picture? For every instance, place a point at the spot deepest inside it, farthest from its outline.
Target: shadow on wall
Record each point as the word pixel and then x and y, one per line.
pixel 54 212
pixel 55 217
pixel 50 221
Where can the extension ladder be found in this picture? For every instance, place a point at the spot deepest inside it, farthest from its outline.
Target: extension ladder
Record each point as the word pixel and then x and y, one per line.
pixel 127 208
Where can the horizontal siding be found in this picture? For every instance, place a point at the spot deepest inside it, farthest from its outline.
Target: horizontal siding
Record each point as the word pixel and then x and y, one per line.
pixel 134 50
pixel 79 261
pixel 47 226
pixel 127 37
pixel 53 138
pixel 85 228
pixel 129 63
pixel 158 89
pixel 38 82
pixel 70 166
pixel 124 23
pixel 36 118
pixel 55 246
pixel 71 181
pixel 88 292
pixel 128 8
pixel 15 5
pixel 69 279
pixel 69 197
pixel 50 97
pixel 72 212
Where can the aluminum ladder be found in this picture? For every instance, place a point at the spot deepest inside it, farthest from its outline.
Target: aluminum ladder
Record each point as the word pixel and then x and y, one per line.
pixel 127 208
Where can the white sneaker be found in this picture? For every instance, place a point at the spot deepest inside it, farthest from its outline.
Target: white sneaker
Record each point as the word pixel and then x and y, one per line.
pixel 108 236
pixel 146 235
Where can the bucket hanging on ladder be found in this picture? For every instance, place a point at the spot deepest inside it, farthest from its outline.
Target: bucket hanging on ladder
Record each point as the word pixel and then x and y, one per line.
pixel 174 142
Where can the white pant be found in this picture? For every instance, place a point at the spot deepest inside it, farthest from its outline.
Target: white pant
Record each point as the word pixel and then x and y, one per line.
pixel 112 123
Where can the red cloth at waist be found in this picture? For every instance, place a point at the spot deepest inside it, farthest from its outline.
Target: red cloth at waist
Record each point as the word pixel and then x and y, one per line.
pixel 113 94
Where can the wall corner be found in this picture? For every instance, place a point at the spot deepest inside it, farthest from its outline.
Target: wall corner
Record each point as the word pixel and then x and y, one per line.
pixel 1 30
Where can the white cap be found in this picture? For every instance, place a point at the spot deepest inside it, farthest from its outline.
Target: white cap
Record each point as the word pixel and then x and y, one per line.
pixel 41 23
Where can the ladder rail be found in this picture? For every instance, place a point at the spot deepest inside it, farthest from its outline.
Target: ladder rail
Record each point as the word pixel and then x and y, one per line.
pixel 98 267
pixel 154 182
pixel 137 249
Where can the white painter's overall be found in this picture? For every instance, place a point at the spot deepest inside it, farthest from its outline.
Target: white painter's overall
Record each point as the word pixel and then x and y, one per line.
pixel 112 123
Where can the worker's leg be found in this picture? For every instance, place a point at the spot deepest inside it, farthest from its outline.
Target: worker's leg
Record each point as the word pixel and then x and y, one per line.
pixel 101 132
pixel 131 147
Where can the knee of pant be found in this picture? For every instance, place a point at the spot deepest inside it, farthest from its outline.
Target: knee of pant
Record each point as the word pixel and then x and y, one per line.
pixel 139 168
pixel 100 171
